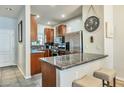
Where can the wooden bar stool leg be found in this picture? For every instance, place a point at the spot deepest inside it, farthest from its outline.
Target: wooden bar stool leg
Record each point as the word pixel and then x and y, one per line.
pixel 103 83
pixel 114 82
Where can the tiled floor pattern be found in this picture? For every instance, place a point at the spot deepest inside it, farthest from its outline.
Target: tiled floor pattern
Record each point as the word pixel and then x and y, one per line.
pixel 11 77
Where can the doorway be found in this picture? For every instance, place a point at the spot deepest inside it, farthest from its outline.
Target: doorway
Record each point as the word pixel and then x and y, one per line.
pixel 7 47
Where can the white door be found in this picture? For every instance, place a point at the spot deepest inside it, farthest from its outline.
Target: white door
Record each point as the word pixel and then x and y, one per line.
pixel 7 48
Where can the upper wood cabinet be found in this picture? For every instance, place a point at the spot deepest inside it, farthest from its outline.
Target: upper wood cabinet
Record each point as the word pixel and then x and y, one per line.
pixel 61 30
pixel 49 35
pixel 33 29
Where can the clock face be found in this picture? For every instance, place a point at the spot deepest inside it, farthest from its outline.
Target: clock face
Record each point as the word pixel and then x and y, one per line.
pixel 91 23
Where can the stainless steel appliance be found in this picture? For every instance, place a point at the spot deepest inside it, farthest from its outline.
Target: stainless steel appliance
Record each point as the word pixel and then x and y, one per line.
pixel 74 41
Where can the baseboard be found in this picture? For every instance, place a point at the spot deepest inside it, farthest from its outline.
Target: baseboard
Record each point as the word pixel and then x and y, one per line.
pixel 26 77
pixel 21 71
pixel 7 65
pixel 119 78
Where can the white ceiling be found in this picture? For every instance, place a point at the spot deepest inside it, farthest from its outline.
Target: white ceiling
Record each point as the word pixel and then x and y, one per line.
pixel 13 14
pixel 53 13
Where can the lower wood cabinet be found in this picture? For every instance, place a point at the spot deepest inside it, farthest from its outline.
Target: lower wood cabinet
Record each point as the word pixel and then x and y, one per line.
pixel 35 63
pixel 48 75
pixel 47 53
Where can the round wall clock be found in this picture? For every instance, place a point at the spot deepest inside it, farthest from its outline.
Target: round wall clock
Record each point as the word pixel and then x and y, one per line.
pixel 91 23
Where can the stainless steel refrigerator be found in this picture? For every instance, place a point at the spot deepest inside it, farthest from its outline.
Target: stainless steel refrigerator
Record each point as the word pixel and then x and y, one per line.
pixel 74 41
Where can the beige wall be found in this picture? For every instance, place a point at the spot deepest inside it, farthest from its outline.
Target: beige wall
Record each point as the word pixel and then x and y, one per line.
pixel 21 52
pixel 24 47
pixel 119 40
pixel 108 34
pixel 98 45
pixel 74 24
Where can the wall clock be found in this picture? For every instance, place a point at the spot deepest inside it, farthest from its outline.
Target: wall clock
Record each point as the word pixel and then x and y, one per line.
pixel 91 23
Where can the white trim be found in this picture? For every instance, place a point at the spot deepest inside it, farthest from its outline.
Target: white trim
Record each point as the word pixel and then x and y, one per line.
pixel 27 42
pixel 6 65
pixel 21 70
pixel 26 77
pixel 120 78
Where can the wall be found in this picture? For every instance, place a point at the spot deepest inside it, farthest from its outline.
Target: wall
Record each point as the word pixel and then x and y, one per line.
pixel 21 52
pixel 24 47
pixel 98 45
pixel 119 40
pixel 74 25
pixel 108 34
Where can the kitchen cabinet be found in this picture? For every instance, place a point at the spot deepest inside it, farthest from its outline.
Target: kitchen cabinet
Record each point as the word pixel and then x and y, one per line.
pixel 61 30
pixel 35 63
pixel 33 29
pixel 48 75
pixel 49 35
pixel 47 53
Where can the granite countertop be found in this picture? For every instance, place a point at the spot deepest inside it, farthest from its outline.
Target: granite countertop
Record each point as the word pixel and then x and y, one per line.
pixel 37 51
pixel 71 60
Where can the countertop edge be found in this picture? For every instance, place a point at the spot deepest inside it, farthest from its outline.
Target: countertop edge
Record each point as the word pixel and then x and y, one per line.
pixel 60 68
pixel 73 65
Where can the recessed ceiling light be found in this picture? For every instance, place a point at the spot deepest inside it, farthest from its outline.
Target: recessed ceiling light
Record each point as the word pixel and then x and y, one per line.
pixel 63 15
pixel 9 9
pixel 37 16
pixel 48 23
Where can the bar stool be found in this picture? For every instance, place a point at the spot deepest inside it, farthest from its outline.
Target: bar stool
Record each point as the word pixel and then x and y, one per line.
pixel 87 81
pixel 107 75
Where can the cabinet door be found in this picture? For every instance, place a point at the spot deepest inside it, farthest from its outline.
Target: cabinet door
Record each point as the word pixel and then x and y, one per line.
pixel 46 34
pixel 48 75
pixel 61 30
pixel 35 63
pixel 49 34
pixel 33 29
pixel 47 53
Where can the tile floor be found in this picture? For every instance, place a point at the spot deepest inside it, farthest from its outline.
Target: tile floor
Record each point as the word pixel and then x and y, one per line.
pixel 11 77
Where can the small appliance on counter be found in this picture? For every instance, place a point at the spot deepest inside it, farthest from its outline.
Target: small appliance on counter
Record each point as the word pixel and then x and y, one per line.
pixel 48 45
pixel 54 50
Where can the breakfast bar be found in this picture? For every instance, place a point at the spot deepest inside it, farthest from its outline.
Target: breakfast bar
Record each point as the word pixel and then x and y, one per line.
pixel 60 71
